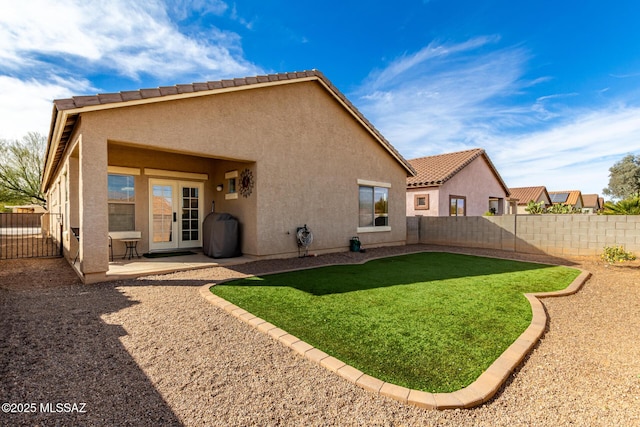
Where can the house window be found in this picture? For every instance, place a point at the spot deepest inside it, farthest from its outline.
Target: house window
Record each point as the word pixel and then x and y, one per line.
pixel 373 201
pixel 457 206
pixel 232 185
pixel 421 202
pixel 121 197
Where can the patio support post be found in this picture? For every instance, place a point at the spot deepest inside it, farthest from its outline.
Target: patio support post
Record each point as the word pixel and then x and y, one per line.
pixel 93 215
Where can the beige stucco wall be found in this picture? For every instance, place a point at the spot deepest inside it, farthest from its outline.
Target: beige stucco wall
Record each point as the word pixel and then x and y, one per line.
pixel 92 191
pixel 476 182
pixel 305 151
pixel 434 201
pixel 141 158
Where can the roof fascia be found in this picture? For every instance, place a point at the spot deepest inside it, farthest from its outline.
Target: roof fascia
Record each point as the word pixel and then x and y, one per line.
pixel 59 119
pixel 155 99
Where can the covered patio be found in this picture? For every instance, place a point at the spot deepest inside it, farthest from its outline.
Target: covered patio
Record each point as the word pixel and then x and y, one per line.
pixel 120 269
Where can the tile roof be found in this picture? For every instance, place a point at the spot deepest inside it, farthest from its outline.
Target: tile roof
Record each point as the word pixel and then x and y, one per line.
pixel 436 170
pixel 591 201
pixel 525 194
pixel 70 108
pixel 573 196
pixel 163 91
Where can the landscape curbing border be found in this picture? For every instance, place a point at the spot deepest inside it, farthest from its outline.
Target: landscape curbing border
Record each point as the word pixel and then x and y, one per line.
pixel 477 393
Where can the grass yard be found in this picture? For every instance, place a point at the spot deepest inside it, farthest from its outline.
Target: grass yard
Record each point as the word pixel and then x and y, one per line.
pixel 427 321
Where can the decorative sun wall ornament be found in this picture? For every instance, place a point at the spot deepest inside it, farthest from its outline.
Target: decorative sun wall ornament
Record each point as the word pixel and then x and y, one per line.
pixel 246 183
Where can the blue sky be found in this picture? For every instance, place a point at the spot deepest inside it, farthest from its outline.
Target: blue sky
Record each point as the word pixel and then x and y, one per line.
pixel 550 89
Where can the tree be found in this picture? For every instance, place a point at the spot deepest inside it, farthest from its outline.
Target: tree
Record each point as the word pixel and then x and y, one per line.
pixel 21 167
pixel 624 178
pixel 623 207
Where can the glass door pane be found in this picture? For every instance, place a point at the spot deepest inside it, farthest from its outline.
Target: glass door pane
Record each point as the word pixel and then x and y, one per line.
pixel 162 206
pixel 190 214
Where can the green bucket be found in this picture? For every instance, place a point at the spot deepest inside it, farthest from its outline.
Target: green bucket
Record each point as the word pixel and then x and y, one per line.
pixel 354 244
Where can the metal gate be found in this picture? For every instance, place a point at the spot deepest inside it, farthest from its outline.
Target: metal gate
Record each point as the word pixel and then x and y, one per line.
pixel 30 235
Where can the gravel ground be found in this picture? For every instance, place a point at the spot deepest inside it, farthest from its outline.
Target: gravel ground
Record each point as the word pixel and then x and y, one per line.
pixel 152 352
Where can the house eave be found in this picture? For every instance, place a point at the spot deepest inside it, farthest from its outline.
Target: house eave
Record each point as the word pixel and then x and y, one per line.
pixel 54 150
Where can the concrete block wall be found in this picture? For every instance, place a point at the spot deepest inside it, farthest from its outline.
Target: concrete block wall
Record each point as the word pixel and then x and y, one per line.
pixel 550 234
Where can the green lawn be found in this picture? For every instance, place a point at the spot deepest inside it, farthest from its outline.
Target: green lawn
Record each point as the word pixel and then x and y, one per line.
pixel 427 321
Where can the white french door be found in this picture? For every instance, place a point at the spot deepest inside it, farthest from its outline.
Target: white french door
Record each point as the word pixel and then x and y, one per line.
pixel 175 214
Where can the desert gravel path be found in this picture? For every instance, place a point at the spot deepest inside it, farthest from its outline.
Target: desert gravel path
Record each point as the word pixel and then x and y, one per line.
pixel 153 352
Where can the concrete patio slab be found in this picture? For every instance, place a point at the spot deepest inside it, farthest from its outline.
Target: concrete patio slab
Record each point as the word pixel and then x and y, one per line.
pixel 120 269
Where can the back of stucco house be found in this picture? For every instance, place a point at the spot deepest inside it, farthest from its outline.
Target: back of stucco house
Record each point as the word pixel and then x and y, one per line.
pixel 276 152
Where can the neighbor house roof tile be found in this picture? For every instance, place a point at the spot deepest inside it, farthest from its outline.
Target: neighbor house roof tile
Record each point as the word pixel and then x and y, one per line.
pixel 572 199
pixel 526 194
pixel 591 201
pixel 436 170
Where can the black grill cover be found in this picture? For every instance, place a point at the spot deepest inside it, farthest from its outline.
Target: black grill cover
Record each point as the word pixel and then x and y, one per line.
pixel 220 236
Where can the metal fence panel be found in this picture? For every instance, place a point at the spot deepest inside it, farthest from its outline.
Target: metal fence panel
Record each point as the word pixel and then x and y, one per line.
pixel 30 235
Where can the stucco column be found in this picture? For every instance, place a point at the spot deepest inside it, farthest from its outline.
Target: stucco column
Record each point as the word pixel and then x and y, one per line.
pixel 93 213
pixel 71 219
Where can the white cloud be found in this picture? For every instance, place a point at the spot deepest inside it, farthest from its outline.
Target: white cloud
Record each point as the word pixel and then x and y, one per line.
pixel 454 97
pixel 445 96
pixel 49 50
pixel 574 155
pixel 407 63
pixel 127 37
pixel 26 105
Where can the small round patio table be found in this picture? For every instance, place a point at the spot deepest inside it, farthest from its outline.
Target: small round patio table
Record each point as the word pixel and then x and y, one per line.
pixel 131 245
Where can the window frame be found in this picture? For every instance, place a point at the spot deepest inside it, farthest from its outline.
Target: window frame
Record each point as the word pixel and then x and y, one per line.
pixel 130 201
pixel 232 185
pixel 419 207
pixel 464 200
pixel 374 185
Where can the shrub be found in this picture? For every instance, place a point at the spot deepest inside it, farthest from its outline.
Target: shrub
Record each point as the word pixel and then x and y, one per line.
pixel 623 207
pixel 562 208
pixel 613 254
pixel 535 208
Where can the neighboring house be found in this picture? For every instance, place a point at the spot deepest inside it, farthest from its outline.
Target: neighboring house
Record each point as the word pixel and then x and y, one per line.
pixel 571 197
pixel 26 208
pixel 277 152
pixel 463 183
pixel 524 195
pixel 592 203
